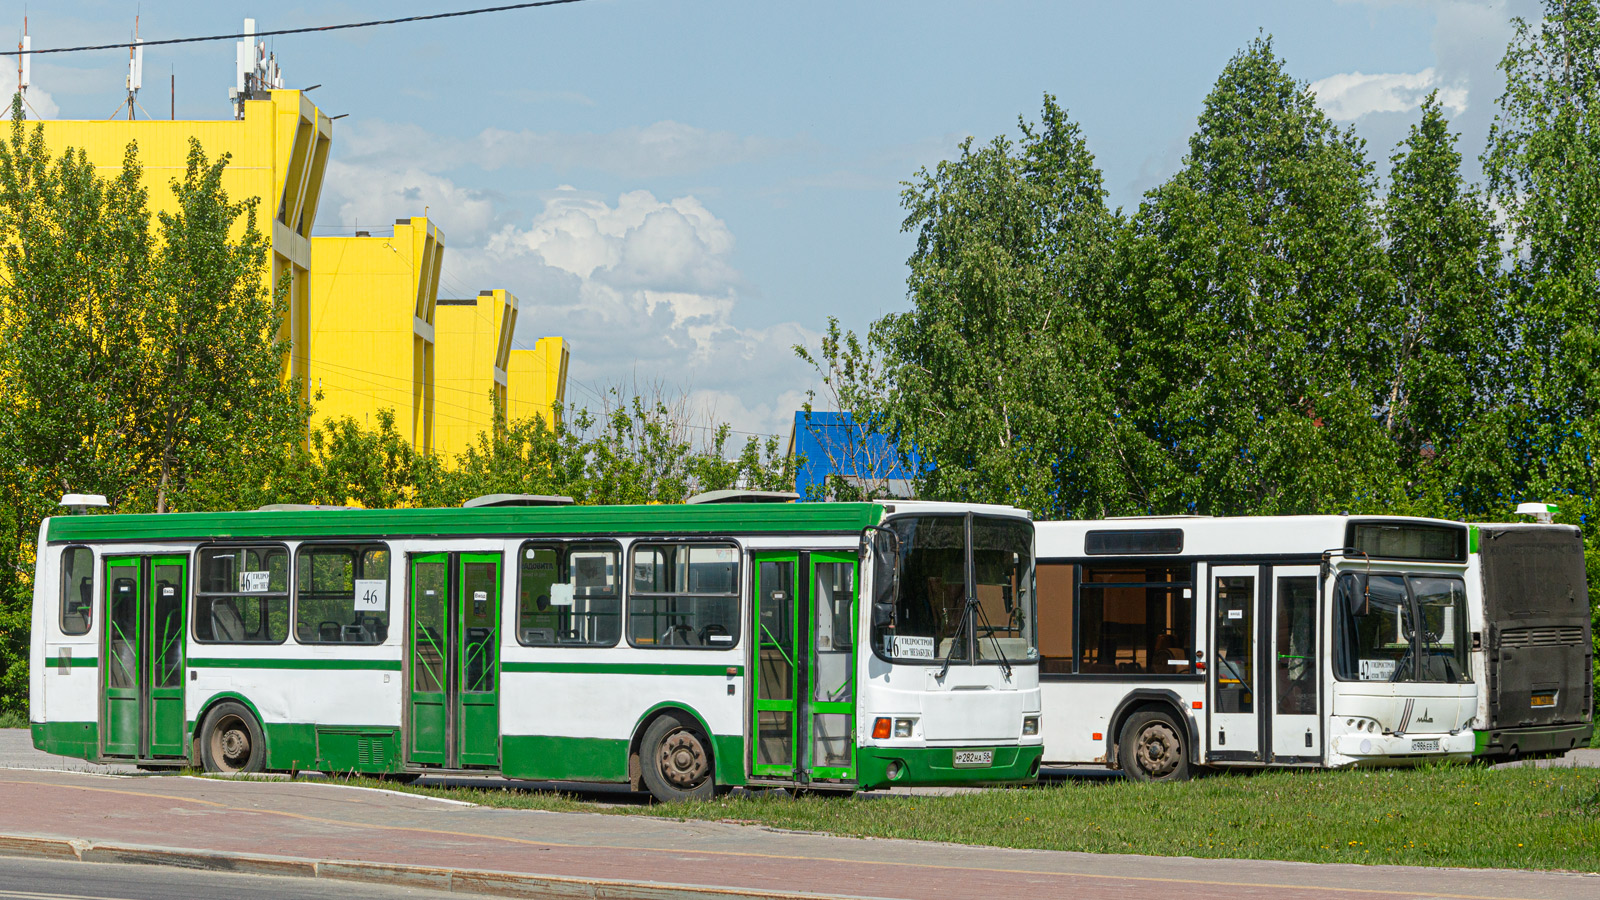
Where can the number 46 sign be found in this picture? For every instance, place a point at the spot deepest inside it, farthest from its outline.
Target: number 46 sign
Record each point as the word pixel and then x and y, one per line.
pixel 372 595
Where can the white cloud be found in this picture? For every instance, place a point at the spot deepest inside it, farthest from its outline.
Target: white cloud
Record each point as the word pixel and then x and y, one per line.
pixel 1351 95
pixel 377 195
pixel 40 104
pixel 643 289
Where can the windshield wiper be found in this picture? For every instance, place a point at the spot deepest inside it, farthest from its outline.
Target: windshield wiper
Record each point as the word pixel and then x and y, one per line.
pixel 1005 664
pixel 961 628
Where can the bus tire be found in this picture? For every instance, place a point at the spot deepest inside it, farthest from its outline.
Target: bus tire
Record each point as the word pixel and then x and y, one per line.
pixel 1151 748
pixel 676 758
pixel 231 741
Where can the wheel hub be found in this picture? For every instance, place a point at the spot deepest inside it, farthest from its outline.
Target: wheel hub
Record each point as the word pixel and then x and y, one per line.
pixel 1158 750
pixel 683 760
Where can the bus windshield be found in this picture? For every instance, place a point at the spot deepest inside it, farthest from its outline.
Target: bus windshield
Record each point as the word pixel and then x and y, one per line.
pixel 932 619
pixel 1401 628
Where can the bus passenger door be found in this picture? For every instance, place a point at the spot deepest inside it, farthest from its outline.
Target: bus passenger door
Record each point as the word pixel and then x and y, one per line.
pixel 1295 729
pixel 142 681
pixel 776 664
pixel 454 660
pixel 1235 722
pixel 478 702
pixel 832 715
pixel 429 661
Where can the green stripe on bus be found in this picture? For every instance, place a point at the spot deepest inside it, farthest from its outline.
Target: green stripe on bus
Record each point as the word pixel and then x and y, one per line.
pixel 622 668
pixel 72 662
pixel 383 665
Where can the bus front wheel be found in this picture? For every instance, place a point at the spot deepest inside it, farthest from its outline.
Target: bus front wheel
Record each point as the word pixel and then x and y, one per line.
pixel 231 742
pixel 1152 748
pixel 675 756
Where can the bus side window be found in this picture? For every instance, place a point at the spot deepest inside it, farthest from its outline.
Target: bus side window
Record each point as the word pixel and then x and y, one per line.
pixel 77 590
pixel 242 595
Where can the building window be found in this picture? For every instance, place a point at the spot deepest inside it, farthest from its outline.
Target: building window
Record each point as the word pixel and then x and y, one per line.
pixel 77 590
pixel 569 595
pixel 341 594
pixel 684 596
pixel 1136 619
pixel 243 595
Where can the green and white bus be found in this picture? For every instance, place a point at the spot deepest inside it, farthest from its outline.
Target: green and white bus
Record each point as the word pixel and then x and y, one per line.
pixel 678 648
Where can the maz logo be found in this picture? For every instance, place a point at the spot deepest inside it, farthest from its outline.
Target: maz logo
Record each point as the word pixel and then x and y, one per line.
pixel 1424 717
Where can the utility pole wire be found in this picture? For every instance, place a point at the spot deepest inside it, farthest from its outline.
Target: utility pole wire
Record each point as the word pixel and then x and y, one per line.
pixel 306 30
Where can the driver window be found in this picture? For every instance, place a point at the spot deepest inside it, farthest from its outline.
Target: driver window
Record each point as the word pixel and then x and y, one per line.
pixel 684 596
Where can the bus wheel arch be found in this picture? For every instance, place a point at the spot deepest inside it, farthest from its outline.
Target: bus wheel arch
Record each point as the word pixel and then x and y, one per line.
pixel 1162 702
pixel 197 748
pixel 231 739
pixel 672 754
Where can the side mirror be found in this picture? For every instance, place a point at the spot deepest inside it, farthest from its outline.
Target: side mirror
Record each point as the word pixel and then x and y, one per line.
pixel 882 615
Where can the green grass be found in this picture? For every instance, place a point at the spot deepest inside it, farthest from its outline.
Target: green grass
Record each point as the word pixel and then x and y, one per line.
pixel 10 719
pixel 1469 816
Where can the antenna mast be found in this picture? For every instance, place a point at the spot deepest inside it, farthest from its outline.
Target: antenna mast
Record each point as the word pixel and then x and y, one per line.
pixel 24 62
pixel 135 68
pixel 255 70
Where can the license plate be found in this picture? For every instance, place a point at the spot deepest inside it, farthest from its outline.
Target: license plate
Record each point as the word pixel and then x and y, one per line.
pixel 1429 746
pixel 973 759
pixel 1544 699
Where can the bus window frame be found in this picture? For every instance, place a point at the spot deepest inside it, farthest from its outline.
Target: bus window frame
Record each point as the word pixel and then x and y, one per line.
pixel 198 578
pixel 565 545
pixel 88 612
pixel 737 595
pixel 360 548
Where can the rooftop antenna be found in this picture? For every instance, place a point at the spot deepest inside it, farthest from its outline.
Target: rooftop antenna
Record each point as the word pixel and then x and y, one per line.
pixel 135 74
pixel 25 65
pixel 135 68
pixel 255 70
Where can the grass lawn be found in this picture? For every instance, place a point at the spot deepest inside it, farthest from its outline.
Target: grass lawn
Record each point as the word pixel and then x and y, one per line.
pixel 1471 816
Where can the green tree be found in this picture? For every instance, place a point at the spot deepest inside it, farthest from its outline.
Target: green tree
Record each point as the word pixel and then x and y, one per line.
pixel 1543 165
pixel 211 373
pixel 1255 303
pixel 998 370
pixel 1448 402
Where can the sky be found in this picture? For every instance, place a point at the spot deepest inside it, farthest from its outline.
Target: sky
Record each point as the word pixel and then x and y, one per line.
pixel 686 190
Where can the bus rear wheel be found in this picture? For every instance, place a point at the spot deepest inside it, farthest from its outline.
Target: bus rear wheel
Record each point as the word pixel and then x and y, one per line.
pixel 231 742
pixel 675 758
pixel 1152 748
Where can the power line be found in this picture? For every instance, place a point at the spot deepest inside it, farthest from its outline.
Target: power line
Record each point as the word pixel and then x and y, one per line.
pixel 307 30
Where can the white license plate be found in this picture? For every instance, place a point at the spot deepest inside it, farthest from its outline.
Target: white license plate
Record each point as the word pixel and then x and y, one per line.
pixel 1428 746
pixel 974 758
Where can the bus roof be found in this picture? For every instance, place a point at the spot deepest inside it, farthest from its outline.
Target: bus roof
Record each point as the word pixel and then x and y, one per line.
pixel 727 518
pixel 1223 535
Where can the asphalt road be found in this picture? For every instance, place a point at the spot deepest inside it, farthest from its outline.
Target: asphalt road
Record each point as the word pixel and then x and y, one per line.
pixel 36 879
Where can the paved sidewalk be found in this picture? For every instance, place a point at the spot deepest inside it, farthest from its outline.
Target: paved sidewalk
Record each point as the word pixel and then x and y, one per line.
pixel 306 826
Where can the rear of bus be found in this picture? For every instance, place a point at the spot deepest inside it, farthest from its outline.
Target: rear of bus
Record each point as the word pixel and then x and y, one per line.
pixel 1533 650
pixel 950 690
pixel 1403 690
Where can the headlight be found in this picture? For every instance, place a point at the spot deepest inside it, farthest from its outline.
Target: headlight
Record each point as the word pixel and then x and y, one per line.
pixel 1030 725
pixel 903 727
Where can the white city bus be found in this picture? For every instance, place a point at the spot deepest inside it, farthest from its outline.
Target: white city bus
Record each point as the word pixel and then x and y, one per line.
pixel 1167 644
pixel 677 648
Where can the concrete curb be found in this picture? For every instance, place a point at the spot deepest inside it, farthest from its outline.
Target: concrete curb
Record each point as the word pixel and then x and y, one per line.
pixel 459 881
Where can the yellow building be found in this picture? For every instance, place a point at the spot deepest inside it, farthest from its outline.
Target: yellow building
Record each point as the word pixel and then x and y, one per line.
pixel 373 302
pixel 362 310
pixel 470 383
pixel 279 150
pixel 537 379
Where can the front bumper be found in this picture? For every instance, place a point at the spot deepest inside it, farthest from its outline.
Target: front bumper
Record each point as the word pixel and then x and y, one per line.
pixel 1399 750
pixel 935 766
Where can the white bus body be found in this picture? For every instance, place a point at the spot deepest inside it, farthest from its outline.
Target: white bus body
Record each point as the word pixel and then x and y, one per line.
pixel 1169 643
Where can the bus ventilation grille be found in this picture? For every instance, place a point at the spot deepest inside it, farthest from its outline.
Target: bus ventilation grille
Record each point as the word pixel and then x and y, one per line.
pixel 1551 636
pixel 369 752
